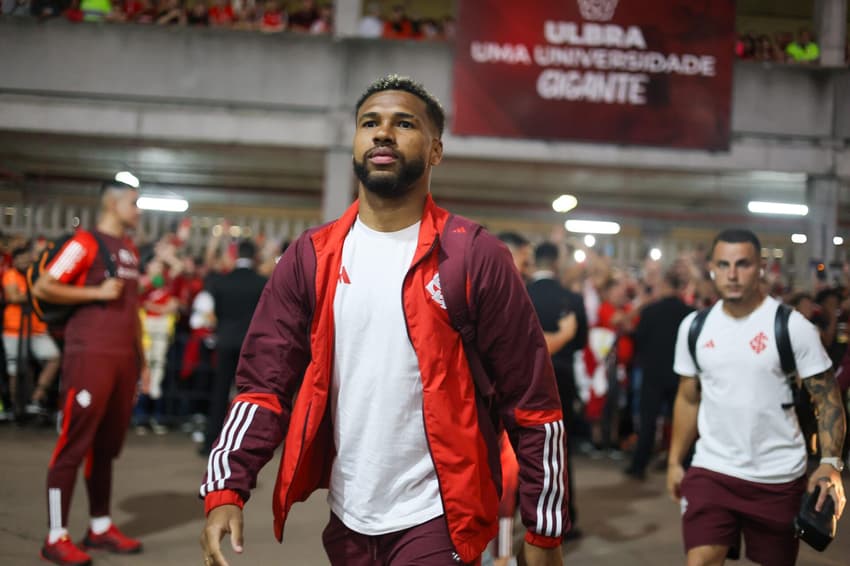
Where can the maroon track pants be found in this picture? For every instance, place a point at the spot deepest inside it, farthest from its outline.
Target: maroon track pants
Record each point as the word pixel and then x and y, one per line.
pixel 97 391
pixel 428 544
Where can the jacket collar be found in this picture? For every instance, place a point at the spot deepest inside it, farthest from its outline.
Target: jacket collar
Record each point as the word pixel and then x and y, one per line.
pixel 433 220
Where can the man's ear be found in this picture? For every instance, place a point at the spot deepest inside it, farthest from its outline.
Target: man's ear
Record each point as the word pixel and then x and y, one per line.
pixel 436 152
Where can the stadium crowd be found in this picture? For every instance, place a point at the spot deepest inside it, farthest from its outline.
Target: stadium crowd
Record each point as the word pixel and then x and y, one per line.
pixel 269 16
pixel 178 315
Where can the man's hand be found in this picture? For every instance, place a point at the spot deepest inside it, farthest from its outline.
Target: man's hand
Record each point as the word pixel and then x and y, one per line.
pixel 831 485
pixel 675 474
pixel 110 289
pixel 536 556
pixel 221 520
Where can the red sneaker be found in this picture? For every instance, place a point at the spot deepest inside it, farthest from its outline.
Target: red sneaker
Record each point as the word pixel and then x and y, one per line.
pixel 112 540
pixel 65 553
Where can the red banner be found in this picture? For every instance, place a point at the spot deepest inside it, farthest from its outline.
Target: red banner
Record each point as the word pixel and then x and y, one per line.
pixel 644 72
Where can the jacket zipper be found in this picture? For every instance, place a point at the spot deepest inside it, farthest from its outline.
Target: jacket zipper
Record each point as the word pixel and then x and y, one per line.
pixel 407 328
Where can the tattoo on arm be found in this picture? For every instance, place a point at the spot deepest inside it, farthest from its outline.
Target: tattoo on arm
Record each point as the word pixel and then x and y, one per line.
pixel 826 398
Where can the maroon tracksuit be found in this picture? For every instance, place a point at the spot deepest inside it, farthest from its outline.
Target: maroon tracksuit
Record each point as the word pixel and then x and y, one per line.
pixel 100 369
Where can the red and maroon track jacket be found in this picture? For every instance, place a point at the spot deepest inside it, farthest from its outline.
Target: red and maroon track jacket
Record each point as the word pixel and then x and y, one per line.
pixel 286 366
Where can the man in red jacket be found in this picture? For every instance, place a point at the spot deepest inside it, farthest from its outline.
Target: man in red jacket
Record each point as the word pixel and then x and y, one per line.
pixel 389 414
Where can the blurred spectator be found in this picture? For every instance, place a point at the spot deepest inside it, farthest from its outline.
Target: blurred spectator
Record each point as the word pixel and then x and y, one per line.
pixel 303 19
pixel 140 11
pixel 46 8
pixel 221 14
pixel 371 25
pixel 804 50
pixel 15 8
pixel 449 27
pixel 234 296
pixel 430 29
pixel 97 10
pixel 23 333
pixel 399 25
pixel 766 50
pixel 325 22
pixel 171 12
pixel 197 15
pixel 73 13
pixel 521 251
pixel 745 46
pixel 804 303
pixel 274 18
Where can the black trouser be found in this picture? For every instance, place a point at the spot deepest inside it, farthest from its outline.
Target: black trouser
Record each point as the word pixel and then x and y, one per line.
pixel 567 390
pixel 655 391
pixel 228 358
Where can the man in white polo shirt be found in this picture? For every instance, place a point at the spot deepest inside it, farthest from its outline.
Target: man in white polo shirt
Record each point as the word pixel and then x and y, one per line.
pixel 748 472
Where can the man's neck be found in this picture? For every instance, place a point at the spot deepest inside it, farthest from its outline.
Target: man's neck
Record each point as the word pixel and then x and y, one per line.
pixel 110 226
pixel 744 308
pixel 391 215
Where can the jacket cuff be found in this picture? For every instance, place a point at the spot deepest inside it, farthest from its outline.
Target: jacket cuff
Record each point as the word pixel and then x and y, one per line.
pixel 224 497
pixel 542 541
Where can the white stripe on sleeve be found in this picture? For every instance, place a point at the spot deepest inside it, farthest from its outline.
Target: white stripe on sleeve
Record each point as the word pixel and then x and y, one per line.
pixel 236 445
pixel 213 471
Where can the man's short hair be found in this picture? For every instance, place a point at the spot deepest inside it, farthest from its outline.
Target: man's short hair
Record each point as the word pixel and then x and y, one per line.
pixel 674 280
pixel 247 250
pixel 116 185
pixel 397 82
pixel 546 253
pixel 798 298
pixel 513 240
pixel 824 294
pixel 736 236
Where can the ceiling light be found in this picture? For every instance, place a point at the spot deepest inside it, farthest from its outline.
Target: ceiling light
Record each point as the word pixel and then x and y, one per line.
pixel 564 203
pixel 837 241
pixel 761 207
pixel 127 178
pixel 579 256
pixel 590 240
pixel 592 227
pixel 799 238
pixel 164 204
pixel 654 254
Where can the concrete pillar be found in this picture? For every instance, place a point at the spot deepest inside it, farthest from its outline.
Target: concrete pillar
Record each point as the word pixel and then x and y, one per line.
pixel 347 15
pixel 822 221
pixel 830 26
pixel 339 182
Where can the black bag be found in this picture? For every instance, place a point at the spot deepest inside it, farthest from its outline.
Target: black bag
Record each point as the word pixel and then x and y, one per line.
pixel 816 529
pixel 802 401
pixel 51 313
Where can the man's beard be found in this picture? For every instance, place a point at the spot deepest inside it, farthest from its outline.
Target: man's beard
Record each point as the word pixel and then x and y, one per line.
pixel 388 185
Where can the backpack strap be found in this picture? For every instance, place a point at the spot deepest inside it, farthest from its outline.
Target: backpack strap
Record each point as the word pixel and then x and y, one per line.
pixel 455 245
pixel 693 334
pixel 103 251
pixel 783 339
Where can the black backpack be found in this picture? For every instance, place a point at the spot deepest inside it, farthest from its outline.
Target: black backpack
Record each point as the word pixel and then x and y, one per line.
pixel 51 313
pixel 803 407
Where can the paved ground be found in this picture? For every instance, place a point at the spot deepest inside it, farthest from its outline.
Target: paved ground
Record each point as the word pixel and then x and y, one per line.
pixel 625 522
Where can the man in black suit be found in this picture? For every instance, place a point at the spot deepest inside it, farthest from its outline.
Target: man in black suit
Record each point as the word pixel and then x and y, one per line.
pixel 235 295
pixel 564 322
pixel 655 344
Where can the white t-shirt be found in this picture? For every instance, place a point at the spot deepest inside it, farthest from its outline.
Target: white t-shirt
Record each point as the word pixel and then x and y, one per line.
pixel 744 430
pixel 383 478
